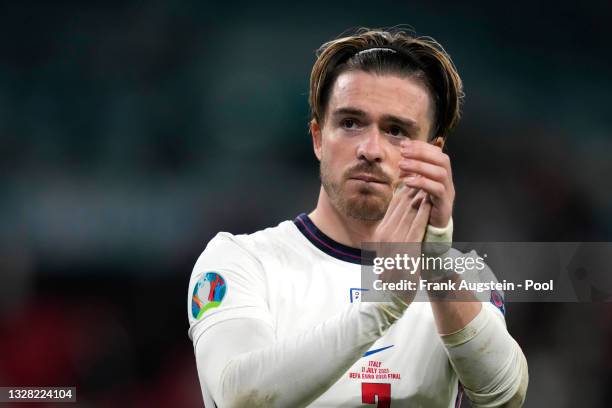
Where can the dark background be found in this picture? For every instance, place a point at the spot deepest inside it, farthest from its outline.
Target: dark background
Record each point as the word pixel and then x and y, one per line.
pixel 132 132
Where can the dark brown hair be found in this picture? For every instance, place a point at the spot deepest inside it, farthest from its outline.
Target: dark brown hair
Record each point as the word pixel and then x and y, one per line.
pixel 390 51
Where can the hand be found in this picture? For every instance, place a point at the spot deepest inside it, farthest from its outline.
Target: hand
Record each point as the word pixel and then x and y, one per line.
pixel 406 217
pixel 424 166
pixel 404 222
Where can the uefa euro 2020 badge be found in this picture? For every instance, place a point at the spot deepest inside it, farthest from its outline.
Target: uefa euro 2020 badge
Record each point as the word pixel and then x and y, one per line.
pixel 208 293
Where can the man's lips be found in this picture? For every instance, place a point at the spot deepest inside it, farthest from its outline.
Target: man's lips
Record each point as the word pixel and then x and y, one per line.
pixel 368 178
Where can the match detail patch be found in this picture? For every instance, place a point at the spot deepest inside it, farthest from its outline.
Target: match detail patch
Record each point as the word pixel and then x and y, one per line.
pixel 208 293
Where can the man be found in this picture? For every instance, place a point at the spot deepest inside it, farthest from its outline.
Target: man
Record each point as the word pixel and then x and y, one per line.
pixel 275 316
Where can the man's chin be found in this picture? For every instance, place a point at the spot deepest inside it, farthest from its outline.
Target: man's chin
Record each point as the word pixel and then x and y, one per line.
pixel 366 208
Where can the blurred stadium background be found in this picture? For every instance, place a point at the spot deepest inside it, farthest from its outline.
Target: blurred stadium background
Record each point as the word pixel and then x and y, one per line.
pixel 131 132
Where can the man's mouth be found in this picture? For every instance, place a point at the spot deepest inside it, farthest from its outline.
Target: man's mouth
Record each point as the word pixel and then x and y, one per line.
pixel 368 178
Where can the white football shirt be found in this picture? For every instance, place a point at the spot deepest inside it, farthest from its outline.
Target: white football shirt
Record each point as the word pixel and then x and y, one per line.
pixel 293 277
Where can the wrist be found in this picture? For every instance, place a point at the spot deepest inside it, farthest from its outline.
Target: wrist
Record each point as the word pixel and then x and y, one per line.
pixel 440 239
pixel 440 234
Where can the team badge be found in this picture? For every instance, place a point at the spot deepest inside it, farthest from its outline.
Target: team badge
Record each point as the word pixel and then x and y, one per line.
pixel 208 293
pixel 498 300
pixel 355 294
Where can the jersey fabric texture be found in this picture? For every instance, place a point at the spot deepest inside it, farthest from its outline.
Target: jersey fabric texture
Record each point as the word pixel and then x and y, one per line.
pixel 292 277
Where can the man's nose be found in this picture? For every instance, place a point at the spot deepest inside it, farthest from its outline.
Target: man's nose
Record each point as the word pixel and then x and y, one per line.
pixel 370 148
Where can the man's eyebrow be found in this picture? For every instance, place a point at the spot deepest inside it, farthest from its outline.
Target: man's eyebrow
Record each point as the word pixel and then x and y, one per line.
pixel 349 111
pixel 407 123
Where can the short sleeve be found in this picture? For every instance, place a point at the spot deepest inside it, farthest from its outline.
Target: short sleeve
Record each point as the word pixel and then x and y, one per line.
pixel 227 282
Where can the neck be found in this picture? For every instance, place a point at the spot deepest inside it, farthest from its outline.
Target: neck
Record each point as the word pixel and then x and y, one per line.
pixel 339 227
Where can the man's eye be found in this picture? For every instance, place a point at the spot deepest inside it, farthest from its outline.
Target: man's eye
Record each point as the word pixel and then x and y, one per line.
pixel 348 123
pixel 396 131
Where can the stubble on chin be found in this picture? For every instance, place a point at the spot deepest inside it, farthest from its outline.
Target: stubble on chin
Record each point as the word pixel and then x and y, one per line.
pixel 365 204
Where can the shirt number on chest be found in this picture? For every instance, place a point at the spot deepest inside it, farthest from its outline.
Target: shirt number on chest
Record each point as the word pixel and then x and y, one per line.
pixel 369 392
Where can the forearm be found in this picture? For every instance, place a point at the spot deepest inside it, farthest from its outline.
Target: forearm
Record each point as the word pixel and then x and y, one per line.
pixel 294 371
pixel 450 316
pixel 489 362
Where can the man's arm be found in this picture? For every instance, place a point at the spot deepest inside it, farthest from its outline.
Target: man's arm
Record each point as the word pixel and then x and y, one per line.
pixel 489 362
pixel 241 363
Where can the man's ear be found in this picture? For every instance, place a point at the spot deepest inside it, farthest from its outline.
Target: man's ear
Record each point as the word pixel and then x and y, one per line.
pixel 317 140
pixel 439 141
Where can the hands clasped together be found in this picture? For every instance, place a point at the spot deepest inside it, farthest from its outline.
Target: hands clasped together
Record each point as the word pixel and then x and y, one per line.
pixel 424 196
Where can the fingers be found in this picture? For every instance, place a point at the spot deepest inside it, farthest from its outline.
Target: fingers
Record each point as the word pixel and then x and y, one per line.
pixel 431 171
pixel 419 224
pixel 410 212
pixel 434 188
pixel 429 162
pixel 412 192
pixel 396 197
pixel 400 201
pixel 393 205
pixel 425 167
pixel 423 151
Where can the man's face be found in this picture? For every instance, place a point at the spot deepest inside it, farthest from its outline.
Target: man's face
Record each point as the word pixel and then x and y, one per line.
pixel 366 119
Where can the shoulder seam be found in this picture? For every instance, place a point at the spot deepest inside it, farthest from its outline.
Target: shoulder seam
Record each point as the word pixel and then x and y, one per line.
pixel 230 238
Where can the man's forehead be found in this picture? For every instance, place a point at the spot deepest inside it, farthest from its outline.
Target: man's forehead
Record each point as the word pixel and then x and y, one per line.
pixel 381 95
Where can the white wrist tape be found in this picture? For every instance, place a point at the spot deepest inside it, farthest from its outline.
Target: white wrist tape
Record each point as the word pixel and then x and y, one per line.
pixel 437 240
